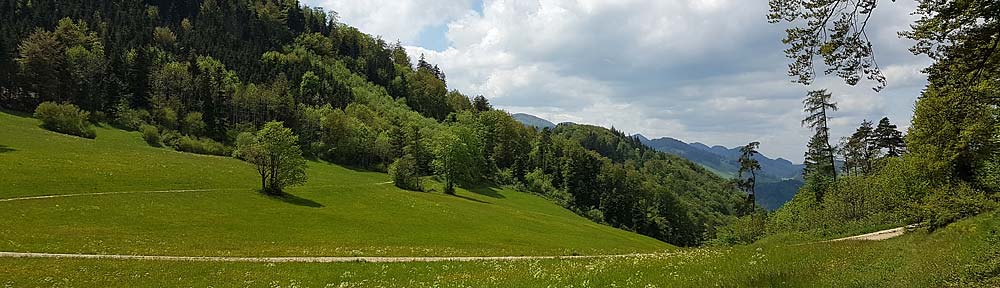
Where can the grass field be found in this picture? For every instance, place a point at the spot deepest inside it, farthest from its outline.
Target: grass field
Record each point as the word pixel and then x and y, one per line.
pixel 965 254
pixel 339 212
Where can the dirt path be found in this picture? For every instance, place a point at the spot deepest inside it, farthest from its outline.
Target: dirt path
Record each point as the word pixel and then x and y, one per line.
pixel 144 192
pixel 300 259
pixel 880 235
pixel 109 193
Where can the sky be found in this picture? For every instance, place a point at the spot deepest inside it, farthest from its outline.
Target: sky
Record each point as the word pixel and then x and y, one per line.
pixel 709 71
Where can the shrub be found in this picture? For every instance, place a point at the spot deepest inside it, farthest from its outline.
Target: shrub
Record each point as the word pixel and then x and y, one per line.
pixel 131 119
pixel 743 230
pixel 193 123
pixel 949 204
pixel 170 137
pixel 65 118
pixel 151 135
pixel 98 117
pixel 166 117
pixel 201 146
pixel 404 173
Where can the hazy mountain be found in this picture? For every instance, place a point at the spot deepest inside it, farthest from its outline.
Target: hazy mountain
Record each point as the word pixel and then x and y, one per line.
pixel 532 120
pixel 725 160
pixel 778 180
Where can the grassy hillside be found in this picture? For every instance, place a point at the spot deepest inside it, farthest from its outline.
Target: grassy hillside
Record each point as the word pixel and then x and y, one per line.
pixel 338 212
pixel 965 254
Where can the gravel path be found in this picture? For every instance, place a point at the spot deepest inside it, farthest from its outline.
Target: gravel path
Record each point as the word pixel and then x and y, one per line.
pixel 880 235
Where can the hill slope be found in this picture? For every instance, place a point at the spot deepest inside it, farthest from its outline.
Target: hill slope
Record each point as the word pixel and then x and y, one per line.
pixel 338 212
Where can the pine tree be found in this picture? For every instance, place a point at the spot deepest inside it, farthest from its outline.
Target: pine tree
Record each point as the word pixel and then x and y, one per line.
pixel 820 156
pixel 749 165
pixel 888 137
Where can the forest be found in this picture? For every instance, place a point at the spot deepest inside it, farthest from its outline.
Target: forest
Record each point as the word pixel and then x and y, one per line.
pixel 196 75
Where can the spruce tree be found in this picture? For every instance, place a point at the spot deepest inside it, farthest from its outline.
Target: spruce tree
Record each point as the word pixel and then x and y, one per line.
pixel 820 156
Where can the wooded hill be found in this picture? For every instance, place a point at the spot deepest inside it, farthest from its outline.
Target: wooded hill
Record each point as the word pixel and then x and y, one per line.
pixel 193 75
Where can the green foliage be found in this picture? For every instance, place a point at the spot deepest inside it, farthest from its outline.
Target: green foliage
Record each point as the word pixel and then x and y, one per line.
pixel 404 174
pixel 744 230
pixel 457 155
pixel 197 145
pixel 65 118
pixel 949 204
pixel 192 124
pixel 150 134
pixel 274 152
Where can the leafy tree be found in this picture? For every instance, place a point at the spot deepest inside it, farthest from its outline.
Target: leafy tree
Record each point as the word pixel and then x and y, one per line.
pixel 458 102
pixel 819 156
pixel 749 165
pixel 172 87
pixel 457 153
pixel 274 151
pixel 41 63
pixel 404 173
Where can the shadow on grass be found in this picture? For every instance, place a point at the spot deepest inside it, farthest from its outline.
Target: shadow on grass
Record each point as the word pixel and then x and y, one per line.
pixel 295 200
pixel 471 199
pixel 488 191
pixel 5 149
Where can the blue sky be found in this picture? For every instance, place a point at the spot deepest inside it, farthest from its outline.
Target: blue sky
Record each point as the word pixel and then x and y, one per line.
pixel 709 71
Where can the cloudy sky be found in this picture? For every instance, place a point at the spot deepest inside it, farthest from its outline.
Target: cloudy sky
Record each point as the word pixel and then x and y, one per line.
pixel 709 71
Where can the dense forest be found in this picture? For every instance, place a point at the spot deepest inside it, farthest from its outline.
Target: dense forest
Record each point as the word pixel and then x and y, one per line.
pixel 193 75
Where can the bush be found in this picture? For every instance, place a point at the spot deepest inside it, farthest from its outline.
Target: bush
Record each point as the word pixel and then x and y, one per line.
pixel 151 135
pixel 743 230
pixel 950 204
pixel 404 173
pixel 131 119
pixel 65 118
pixel 166 117
pixel 98 117
pixel 201 146
pixel 193 123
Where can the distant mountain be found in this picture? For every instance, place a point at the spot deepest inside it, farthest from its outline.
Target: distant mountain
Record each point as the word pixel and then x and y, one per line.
pixel 724 160
pixel 772 195
pixel 532 120
pixel 777 183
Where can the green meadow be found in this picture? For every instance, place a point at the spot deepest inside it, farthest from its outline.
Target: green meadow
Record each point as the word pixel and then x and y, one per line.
pixel 339 212
pixel 964 254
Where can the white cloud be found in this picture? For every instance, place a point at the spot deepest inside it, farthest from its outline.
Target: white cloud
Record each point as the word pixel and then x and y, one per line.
pixel 395 20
